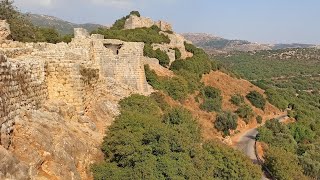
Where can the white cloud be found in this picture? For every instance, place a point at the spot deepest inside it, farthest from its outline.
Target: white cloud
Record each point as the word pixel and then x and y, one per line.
pixel 35 3
pixel 118 3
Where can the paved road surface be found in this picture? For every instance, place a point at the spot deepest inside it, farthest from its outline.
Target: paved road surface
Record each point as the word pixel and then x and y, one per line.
pixel 246 142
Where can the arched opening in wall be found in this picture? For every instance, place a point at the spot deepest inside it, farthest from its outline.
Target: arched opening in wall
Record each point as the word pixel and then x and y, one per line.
pixel 115 48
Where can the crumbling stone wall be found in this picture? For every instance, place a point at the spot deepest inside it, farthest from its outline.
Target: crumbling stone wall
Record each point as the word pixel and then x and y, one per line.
pixel 22 85
pixel 122 61
pixel 134 22
pixel 4 30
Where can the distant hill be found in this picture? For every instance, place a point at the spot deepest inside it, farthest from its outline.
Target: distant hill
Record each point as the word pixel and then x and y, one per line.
pixel 64 27
pixel 217 45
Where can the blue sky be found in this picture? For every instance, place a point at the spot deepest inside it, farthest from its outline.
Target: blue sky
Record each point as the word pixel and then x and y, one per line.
pixel 263 21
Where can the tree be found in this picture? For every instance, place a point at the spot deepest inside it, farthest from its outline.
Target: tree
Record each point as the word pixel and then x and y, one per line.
pixel 259 119
pixel 237 99
pixel 245 112
pixel 225 122
pixel 283 164
pixel 21 29
pixel 256 99
pixel 49 35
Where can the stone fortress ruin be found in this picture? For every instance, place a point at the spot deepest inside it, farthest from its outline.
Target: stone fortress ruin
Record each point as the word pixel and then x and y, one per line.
pixel 33 73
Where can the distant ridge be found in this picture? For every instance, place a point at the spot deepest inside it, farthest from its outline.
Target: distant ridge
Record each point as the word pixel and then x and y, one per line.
pixel 217 45
pixel 63 27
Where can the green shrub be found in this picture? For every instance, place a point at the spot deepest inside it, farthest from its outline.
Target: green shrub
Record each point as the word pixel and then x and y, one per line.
pixel 283 164
pixel 259 119
pixel 159 97
pixel 152 78
pixel 48 35
pixel 256 99
pixel 194 81
pixel 176 116
pixel 146 35
pixel 212 99
pixel 237 99
pixel 199 63
pixel 177 53
pixel 176 87
pixel 158 54
pixel 211 92
pixel 245 112
pixel 136 13
pixel 225 122
pixel 211 105
pixel 140 104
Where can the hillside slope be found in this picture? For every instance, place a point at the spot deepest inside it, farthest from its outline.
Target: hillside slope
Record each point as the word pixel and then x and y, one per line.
pixel 64 27
pixel 229 86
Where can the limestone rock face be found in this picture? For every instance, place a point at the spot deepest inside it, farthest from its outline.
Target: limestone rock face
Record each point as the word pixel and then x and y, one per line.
pixel 58 142
pixel 177 41
pixel 4 30
pixel 11 167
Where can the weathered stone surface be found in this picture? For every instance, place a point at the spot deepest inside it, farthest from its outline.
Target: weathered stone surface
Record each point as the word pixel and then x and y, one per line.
pixel 177 41
pixel 11 167
pixel 4 30
pixel 80 33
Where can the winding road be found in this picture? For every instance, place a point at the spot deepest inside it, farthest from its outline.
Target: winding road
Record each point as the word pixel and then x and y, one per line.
pixel 246 142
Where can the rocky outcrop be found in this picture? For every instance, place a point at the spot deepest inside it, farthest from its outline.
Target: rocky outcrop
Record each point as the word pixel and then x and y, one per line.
pixel 177 41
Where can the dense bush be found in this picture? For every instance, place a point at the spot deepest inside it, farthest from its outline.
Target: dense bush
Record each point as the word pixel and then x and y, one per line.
pixel 158 54
pixel 256 99
pixel 237 99
pixel 283 164
pixel 225 122
pixel 245 112
pixel 146 143
pixel 198 64
pixel 176 87
pixel 212 99
pixel 177 53
pixel 146 35
pixel 259 119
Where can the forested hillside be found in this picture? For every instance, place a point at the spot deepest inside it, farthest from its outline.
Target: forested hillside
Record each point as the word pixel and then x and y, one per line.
pixel 292 81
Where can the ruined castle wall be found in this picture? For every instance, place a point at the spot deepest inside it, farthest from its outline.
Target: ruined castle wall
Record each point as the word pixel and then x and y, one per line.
pixel 122 61
pixel 22 85
pixel 134 22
